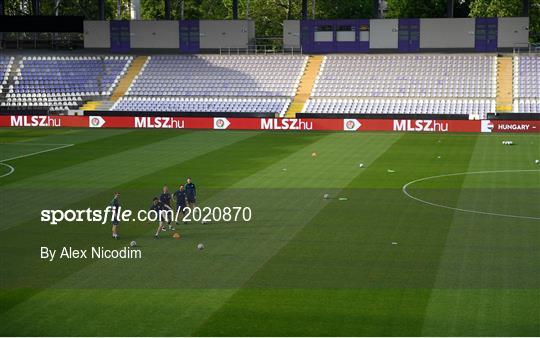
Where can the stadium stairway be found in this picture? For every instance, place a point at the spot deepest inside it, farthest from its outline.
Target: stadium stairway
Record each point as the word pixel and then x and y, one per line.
pixel 91 105
pixel 120 89
pixel 97 105
pixel 505 85
pixel 11 76
pixel 133 70
pixel 306 85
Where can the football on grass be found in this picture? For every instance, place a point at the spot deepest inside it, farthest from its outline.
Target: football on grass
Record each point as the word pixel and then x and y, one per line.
pixel 200 246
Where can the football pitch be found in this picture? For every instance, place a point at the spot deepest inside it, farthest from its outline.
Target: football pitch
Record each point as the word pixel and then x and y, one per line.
pixel 436 234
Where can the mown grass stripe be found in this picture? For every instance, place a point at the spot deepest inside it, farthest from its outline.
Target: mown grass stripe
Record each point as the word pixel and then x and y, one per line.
pixel 489 269
pixel 87 147
pixel 273 149
pixel 76 182
pixel 268 162
pixel 340 249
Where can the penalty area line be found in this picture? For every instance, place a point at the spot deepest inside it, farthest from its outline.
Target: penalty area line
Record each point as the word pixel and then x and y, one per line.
pixel 12 169
pixel 32 144
pixel 36 153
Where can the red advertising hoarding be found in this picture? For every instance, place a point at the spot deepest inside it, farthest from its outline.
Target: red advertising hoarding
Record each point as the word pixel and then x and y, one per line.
pixel 235 123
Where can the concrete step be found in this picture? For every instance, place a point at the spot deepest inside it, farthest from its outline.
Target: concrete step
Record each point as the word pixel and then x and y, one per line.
pixel 305 87
pixel 505 85
pixel 133 70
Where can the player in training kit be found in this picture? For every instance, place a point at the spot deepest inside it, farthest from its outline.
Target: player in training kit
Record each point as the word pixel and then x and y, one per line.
pixel 191 196
pixel 180 198
pixel 191 193
pixel 165 199
pixel 115 205
pixel 158 207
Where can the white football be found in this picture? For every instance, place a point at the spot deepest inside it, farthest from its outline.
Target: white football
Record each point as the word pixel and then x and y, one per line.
pixel 200 246
pixel 536 161
pixel 361 165
pixel 132 243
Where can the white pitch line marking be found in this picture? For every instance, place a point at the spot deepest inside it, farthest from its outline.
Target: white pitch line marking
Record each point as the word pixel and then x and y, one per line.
pixel 37 152
pixel 12 169
pixel 32 144
pixel 404 189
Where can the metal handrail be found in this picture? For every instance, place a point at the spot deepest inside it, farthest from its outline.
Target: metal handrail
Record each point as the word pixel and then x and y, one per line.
pixel 260 49
pixel 527 47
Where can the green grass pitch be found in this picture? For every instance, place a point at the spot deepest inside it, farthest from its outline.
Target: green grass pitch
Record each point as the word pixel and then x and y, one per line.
pixel 304 265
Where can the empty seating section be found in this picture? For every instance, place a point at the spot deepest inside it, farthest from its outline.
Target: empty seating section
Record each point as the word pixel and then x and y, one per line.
pixel 243 83
pixel 346 84
pixel 395 84
pixel 400 106
pixel 527 106
pixel 210 105
pixel 60 83
pixel 6 63
pixel 408 76
pixel 219 75
pixel 527 83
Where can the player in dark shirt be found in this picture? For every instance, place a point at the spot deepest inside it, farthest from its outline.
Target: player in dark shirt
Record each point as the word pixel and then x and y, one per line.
pixel 191 196
pixel 165 196
pixel 180 197
pixel 159 207
pixel 115 204
pixel 165 199
pixel 191 193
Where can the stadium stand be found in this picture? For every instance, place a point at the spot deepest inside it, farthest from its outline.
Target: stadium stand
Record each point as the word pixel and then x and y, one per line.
pixel 346 84
pixel 5 67
pixel 229 83
pixel 61 82
pixel 405 84
pixel 400 106
pixel 527 84
pixel 210 105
